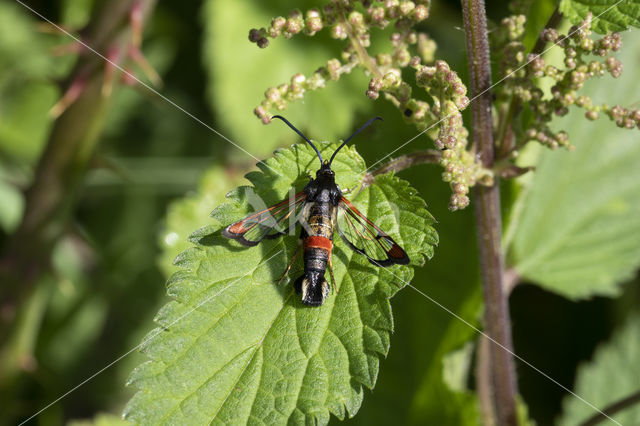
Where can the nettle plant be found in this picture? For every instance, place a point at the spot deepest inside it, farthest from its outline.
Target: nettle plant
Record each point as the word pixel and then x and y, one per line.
pixel 235 347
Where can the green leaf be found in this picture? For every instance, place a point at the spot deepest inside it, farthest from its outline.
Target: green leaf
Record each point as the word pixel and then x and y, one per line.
pixel 608 15
pixel 456 367
pixel 235 347
pixel 11 203
pixel 522 413
pixel 23 51
pixel 240 73
pixel 538 14
pixel 442 397
pixel 613 375
pixel 25 122
pixel 574 230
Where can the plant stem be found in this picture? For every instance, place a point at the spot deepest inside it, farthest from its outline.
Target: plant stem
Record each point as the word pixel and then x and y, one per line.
pixel 505 136
pixel 553 22
pixel 511 279
pixel 620 405
pixel 428 156
pixel 361 51
pixel 365 59
pixel 483 381
pixel 488 218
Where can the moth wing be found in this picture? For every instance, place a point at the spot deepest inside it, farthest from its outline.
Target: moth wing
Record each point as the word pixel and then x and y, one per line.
pixel 269 223
pixel 366 238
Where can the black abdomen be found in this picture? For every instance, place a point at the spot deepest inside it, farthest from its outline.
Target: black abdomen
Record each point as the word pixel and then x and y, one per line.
pixel 317 236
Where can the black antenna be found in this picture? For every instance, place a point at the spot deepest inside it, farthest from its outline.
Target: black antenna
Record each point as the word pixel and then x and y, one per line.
pixel 300 133
pixel 364 126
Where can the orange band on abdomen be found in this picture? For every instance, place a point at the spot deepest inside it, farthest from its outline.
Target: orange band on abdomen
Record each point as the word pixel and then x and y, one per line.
pixel 318 242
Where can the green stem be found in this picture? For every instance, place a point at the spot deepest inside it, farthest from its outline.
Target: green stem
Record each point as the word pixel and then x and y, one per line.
pixel 502 383
pixel 505 137
pixel 361 51
pixel 429 156
pixel 366 60
pixel 18 352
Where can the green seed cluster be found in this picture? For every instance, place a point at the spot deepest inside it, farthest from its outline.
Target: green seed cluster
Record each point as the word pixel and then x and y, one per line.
pixel 584 58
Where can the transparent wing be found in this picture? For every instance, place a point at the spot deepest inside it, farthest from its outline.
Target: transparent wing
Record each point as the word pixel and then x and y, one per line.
pixel 269 223
pixel 365 237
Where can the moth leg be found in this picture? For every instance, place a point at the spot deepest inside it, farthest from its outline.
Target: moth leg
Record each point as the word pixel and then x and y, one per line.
pixel 349 190
pixel 290 264
pixel 333 279
pixel 356 189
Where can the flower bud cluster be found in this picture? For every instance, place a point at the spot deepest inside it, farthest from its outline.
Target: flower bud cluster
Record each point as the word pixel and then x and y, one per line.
pixel 624 117
pixel 288 27
pixel 345 21
pixel 442 112
pixel 277 98
pixel 580 63
pixel 390 66
pixel 508 42
pixel 404 13
pixel 449 98
pixel 440 81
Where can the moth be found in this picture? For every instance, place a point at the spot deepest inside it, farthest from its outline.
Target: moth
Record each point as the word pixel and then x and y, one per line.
pixel 320 208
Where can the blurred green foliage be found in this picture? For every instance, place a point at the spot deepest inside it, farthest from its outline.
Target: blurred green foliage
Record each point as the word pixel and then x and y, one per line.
pixel 158 174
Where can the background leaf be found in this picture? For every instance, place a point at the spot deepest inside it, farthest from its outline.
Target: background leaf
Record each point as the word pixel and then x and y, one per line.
pixel 101 420
pixel 25 93
pixel 609 15
pixel 250 348
pixel 576 233
pixel 188 213
pixel 613 375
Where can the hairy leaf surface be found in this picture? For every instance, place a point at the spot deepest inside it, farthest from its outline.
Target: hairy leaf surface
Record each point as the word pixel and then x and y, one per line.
pixel 234 347
pixel 609 15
